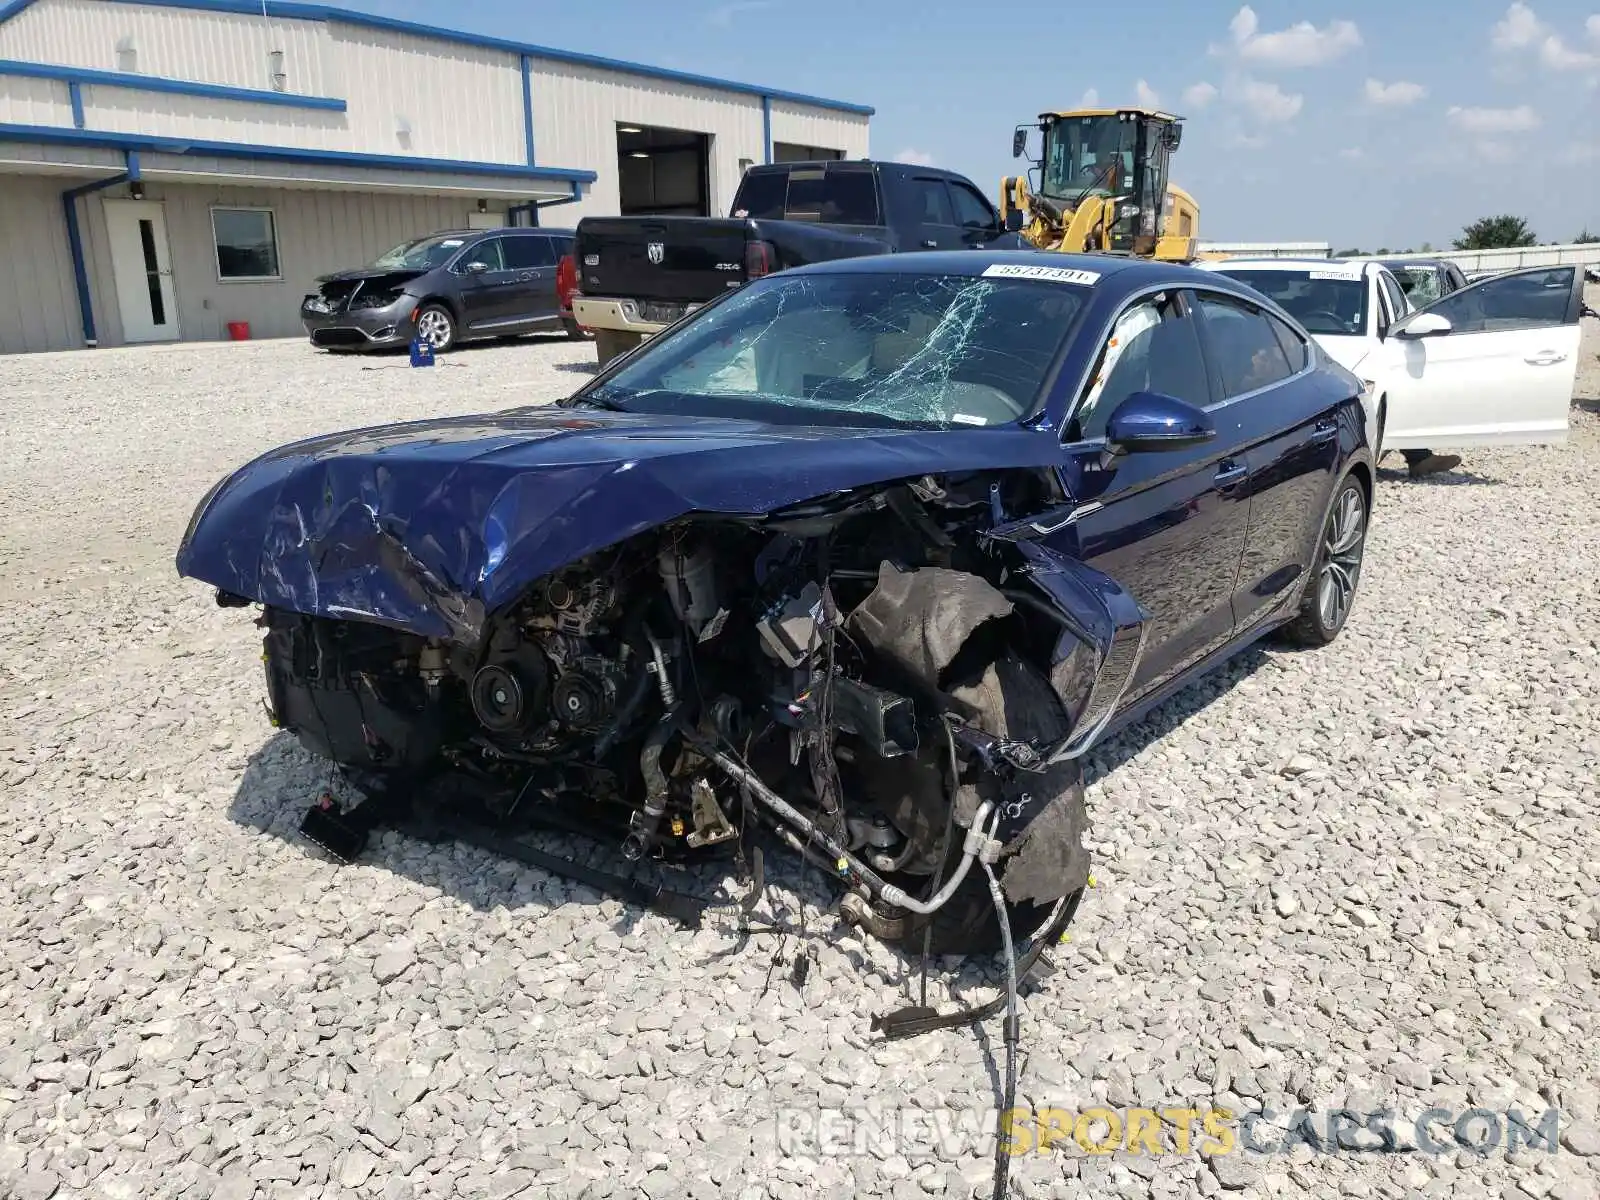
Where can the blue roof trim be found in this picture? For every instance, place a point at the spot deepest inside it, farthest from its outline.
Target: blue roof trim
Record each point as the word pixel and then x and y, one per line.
pixel 160 83
pixel 294 10
pixel 170 145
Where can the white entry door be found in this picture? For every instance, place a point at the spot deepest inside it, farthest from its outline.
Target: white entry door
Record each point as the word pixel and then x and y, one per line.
pixel 142 266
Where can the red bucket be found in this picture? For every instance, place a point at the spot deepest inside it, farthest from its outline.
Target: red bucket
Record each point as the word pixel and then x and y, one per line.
pixel 239 331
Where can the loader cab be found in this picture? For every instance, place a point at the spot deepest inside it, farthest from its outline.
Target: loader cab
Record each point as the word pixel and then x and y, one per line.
pixel 1119 155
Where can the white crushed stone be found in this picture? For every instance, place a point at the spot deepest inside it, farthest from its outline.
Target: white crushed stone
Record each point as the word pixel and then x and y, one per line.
pixel 1362 876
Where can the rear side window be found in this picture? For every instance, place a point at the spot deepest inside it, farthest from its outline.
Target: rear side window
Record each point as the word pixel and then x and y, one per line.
pixel 971 211
pixel 832 197
pixel 1243 343
pixel 524 252
pixel 1294 347
pixel 933 205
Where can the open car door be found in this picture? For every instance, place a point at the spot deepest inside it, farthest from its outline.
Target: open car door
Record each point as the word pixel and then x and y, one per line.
pixel 1493 363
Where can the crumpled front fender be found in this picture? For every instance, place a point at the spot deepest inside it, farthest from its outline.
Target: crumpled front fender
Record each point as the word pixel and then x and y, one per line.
pixel 1100 646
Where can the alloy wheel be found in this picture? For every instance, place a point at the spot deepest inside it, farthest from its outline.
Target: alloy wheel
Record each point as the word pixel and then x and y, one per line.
pixel 1343 545
pixel 433 327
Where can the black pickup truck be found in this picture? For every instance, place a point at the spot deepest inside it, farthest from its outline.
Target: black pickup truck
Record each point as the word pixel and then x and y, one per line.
pixel 637 275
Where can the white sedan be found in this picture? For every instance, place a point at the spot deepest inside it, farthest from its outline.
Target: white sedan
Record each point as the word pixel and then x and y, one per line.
pixel 1492 363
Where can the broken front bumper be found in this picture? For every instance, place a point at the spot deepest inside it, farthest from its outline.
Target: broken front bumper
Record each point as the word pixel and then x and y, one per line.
pixel 359 328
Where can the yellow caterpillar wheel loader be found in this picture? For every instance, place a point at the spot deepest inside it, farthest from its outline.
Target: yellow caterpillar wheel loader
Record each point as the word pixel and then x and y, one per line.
pixel 1103 185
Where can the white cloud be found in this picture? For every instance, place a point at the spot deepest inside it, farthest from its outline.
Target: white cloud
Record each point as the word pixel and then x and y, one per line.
pixel 1199 95
pixel 1593 26
pixel 1300 45
pixel 1394 94
pixel 1494 120
pixel 1556 55
pixel 1090 99
pixel 1518 29
pixel 1352 152
pixel 1267 102
pixel 1145 95
pixel 917 158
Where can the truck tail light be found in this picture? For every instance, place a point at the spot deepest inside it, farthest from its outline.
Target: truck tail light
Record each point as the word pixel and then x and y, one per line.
pixel 758 259
pixel 566 280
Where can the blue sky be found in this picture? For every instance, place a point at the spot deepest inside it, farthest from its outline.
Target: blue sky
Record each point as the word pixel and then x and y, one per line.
pixel 1362 122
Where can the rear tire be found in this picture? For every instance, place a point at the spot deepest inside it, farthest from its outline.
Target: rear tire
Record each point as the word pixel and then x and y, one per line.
pixel 610 343
pixel 1331 590
pixel 967 923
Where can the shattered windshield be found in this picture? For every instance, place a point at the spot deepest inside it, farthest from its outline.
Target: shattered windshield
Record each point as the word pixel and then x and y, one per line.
pixel 934 351
pixel 1332 301
pixel 1421 284
pixel 421 254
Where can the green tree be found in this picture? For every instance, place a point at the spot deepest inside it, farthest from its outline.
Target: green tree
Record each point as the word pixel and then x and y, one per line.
pixel 1352 252
pixel 1586 238
pixel 1496 233
pixel 1427 247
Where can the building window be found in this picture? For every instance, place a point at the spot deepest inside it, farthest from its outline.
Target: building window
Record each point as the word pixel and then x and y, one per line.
pixel 247 243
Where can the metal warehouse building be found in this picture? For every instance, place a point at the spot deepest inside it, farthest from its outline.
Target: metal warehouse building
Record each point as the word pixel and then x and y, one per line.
pixel 171 167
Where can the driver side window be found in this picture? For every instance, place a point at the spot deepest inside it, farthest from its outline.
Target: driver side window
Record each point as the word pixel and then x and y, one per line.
pixel 488 253
pixel 1532 300
pixel 1154 347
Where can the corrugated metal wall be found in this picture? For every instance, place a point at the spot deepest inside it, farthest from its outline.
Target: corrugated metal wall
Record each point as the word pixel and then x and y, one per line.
pixel 458 102
pixel 222 48
pixel 576 111
pixel 38 304
pixel 461 102
pixel 825 128
pixel 318 231
pixel 34 102
pixel 404 94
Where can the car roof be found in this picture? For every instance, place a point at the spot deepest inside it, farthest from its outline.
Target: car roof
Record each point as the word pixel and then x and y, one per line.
pixel 1293 264
pixel 976 262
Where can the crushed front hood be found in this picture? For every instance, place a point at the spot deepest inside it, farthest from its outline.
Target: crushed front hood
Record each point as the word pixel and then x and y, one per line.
pixel 429 526
pixel 393 276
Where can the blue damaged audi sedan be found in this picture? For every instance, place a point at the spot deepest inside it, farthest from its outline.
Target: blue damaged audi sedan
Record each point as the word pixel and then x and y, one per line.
pixel 864 555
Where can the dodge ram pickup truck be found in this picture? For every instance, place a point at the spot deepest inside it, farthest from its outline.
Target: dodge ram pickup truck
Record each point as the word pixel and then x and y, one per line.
pixel 639 274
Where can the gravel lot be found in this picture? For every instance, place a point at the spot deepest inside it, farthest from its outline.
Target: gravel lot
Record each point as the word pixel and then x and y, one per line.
pixel 1365 876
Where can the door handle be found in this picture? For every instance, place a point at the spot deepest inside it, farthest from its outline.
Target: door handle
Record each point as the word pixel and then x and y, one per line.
pixel 1545 358
pixel 930 244
pixel 1230 473
pixel 1324 432
pixel 527 275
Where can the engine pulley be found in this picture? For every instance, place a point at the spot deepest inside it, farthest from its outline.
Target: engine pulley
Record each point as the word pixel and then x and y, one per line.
pixel 579 701
pixel 506 698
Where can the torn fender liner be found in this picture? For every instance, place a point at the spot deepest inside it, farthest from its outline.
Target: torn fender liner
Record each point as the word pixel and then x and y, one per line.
pixel 1049 860
pixel 921 619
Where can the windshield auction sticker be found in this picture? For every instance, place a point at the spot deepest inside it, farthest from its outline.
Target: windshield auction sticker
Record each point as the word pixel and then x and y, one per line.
pixel 1053 274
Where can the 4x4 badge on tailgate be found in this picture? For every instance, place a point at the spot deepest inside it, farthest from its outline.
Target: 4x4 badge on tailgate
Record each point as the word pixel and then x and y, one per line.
pixel 656 251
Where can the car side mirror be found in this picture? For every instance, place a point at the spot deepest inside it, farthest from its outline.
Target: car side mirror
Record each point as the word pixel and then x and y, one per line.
pixel 1155 421
pixel 1424 325
pixel 476 267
